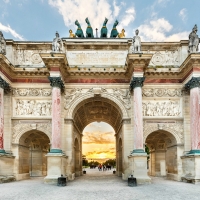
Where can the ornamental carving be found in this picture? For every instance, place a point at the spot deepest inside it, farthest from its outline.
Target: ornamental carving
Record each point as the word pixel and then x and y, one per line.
pixel 57 82
pixel 176 129
pixel 20 128
pixel 4 85
pixel 2 44
pixel 123 95
pixel 32 108
pixel 160 92
pixel 165 58
pixel 31 92
pixel 161 108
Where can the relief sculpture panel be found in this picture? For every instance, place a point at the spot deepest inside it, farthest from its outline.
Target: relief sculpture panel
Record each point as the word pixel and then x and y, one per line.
pixel 32 108
pixel 161 108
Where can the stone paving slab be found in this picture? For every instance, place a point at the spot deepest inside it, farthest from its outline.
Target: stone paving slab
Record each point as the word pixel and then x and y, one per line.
pixel 97 185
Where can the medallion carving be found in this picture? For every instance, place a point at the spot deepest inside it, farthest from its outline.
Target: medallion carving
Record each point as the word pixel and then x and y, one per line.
pixel 161 108
pixel 161 92
pixel 32 108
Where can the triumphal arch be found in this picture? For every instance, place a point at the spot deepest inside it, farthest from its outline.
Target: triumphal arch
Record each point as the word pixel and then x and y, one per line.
pixel 148 92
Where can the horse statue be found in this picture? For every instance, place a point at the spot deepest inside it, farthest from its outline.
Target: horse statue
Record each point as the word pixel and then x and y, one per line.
pixel 193 40
pixel 114 32
pixel 79 31
pixel 89 30
pixel 104 29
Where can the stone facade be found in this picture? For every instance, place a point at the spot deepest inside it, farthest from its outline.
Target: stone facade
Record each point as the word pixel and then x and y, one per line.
pixel 53 95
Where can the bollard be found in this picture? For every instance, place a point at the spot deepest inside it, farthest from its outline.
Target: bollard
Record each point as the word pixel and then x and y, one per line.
pixel 62 181
pixel 132 182
pixel 84 172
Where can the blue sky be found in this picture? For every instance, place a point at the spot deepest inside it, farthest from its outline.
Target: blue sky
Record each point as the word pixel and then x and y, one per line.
pixel 157 20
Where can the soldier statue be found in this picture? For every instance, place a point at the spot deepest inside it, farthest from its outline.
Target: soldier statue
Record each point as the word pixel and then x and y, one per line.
pixel 2 44
pixel 57 44
pixel 136 45
pixel 193 40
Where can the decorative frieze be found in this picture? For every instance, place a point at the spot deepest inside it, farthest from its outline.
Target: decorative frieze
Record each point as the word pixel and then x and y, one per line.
pixel 33 108
pixel 161 108
pixel 57 82
pixel 136 82
pixel 193 83
pixel 161 92
pixel 45 92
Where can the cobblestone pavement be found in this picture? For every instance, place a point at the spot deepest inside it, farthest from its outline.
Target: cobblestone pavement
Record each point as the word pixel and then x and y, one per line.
pixel 97 185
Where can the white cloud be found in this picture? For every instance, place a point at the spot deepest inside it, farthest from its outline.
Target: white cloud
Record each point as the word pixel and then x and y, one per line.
pixel 116 9
pixel 183 14
pixel 8 29
pixel 6 1
pixel 156 31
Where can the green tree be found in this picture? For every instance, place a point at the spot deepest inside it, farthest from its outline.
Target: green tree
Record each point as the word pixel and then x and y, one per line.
pixel 84 161
pixel 111 162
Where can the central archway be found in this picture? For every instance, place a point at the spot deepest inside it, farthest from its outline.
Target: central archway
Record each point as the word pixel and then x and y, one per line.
pixel 97 109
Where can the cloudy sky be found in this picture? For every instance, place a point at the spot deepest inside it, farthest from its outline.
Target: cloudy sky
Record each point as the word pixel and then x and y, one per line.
pixel 99 141
pixel 157 20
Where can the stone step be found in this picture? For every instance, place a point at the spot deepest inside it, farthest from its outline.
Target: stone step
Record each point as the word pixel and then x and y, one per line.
pixel 7 179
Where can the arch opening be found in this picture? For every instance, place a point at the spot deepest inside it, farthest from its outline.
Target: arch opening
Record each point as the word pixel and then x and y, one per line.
pixel 33 147
pixel 163 150
pixel 97 110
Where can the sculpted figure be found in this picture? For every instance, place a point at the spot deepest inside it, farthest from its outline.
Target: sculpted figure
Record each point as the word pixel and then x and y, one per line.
pixel 89 30
pixel 71 35
pixel 122 34
pixel 57 44
pixel 104 29
pixel 114 32
pixel 193 40
pixel 79 31
pixel 136 42
pixel 2 44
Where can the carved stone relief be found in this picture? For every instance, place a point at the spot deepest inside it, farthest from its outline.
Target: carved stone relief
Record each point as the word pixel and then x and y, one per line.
pixel 161 108
pixel 31 92
pixel 20 128
pixel 165 58
pixel 122 95
pixel 160 92
pixel 175 128
pixel 32 108
pixel 28 57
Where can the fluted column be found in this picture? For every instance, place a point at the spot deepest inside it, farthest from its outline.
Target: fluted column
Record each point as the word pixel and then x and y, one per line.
pixel 136 86
pixel 57 88
pixel 3 86
pixel 194 86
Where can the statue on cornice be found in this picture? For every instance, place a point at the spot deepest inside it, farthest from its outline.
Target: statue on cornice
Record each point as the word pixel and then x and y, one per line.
pixel 136 45
pixel 57 44
pixel 104 29
pixel 89 30
pixel 193 40
pixel 79 31
pixel 114 32
pixel 2 44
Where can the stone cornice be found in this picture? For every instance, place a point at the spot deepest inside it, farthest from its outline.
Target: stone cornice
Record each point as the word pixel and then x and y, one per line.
pixel 57 82
pixel 193 83
pixel 136 82
pixel 5 85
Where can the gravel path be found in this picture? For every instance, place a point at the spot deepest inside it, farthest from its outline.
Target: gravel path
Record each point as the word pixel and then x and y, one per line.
pixel 97 185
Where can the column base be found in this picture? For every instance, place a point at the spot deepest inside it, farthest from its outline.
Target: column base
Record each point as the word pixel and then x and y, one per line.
pixel 191 168
pixel 2 151
pixel 55 151
pixel 138 164
pixel 56 165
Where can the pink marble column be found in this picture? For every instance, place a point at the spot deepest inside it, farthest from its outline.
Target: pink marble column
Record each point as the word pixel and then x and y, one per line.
pixel 136 86
pixel 56 118
pixel 1 120
pixel 138 118
pixel 194 86
pixel 57 88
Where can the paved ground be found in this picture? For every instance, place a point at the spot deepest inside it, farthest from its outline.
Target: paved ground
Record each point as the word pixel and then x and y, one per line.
pixel 97 185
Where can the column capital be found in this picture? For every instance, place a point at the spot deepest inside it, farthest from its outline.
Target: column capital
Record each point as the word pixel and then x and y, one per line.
pixel 4 85
pixel 136 82
pixel 193 83
pixel 57 82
